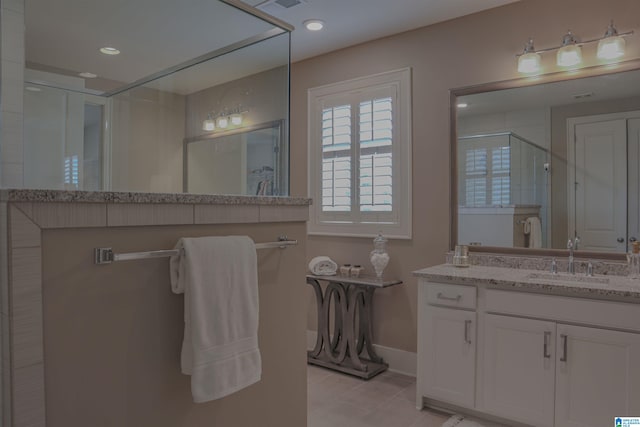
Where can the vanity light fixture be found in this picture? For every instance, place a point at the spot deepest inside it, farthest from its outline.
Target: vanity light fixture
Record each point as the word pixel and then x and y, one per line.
pixel 314 24
pixel 107 50
pixel 462 105
pixel 208 125
pixel 236 119
pixel 223 122
pixel 529 61
pixel 612 45
pixel 569 54
pixel 224 118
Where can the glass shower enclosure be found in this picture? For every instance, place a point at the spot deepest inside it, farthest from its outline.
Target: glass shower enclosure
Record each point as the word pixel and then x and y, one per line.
pixel 503 185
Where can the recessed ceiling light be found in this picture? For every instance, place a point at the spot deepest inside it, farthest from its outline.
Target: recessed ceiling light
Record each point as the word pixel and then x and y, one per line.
pixel 33 89
pixel 314 24
pixel 109 50
pixel 88 75
pixel 463 105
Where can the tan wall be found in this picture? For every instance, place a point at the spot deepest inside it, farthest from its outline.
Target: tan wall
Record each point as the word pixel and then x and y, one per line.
pixel 559 116
pixel 476 49
pixel 113 334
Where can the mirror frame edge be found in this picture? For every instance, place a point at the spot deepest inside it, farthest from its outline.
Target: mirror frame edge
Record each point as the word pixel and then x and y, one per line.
pixel 554 77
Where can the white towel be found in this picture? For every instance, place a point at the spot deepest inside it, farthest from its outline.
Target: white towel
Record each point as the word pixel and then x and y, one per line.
pixel 323 266
pixel 219 279
pixel 533 228
pixel 461 421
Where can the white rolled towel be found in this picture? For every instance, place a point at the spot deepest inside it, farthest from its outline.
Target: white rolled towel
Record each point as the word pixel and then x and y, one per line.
pixel 323 266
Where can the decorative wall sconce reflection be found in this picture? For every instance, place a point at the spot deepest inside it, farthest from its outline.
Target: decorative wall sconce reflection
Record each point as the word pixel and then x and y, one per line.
pixel 224 118
pixel 569 54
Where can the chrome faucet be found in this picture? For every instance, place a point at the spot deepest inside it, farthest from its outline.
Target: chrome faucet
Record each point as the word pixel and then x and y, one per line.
pixel 572 245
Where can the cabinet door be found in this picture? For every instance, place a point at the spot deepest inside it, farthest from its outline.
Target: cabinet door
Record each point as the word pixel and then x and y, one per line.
pixel 519 369
pixel 449 356
pixel 598 376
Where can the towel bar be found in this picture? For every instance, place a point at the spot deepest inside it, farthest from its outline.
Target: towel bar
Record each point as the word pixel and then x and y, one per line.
pixel 107 256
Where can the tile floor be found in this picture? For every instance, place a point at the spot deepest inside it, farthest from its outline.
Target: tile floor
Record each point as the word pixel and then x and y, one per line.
pixel 387 400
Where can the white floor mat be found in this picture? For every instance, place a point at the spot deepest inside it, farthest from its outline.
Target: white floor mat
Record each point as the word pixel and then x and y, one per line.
pixel 460 421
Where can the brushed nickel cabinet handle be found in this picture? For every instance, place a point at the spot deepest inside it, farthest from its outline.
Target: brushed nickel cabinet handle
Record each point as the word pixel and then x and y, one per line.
pixel 467 324
pixel 564 348
pixel 545 350
pixel 444 297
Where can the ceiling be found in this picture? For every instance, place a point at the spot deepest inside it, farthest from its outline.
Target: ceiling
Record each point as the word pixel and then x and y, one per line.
pixel 350 22
pixel 64 36
pixel 590 89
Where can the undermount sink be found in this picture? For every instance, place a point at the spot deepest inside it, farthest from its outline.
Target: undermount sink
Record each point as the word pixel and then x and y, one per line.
pixel 573 278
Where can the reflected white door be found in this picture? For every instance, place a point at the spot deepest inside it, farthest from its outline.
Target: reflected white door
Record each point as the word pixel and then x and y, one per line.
pixel 601 185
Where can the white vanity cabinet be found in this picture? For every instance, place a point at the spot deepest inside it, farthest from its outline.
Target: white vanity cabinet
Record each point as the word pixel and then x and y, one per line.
pixel 519 369
pixel 597 375
pixel 534 359
pixel 447 341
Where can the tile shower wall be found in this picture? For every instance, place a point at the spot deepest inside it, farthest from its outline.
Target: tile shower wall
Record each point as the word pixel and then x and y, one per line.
pixel 11 100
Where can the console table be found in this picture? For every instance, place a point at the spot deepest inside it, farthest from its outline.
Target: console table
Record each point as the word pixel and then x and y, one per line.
pixel 343 348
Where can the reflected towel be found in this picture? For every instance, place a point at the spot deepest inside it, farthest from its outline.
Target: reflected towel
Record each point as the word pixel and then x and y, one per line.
pixel 533 228
pixel 323 266
pixel 219 279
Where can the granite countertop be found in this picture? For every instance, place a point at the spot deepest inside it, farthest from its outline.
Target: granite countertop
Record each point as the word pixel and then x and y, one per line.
pixel 579 285
pixel 63 196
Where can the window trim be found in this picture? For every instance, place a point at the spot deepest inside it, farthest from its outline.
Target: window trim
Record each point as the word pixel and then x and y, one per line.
pixel 400 227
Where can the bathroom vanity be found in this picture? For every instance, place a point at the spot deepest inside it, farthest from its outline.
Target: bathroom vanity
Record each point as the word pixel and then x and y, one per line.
pixel 529 347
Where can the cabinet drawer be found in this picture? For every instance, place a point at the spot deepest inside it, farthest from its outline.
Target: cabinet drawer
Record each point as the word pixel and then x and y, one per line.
pixel 451 295
pixel 604 314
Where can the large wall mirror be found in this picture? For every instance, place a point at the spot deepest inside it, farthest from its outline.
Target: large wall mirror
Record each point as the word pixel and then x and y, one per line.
pixel 117 122
pixel 539 164
pixel 245 161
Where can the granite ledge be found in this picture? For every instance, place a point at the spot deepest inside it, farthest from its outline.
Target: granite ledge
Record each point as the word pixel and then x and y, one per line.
pixel 618 287
pixel 63 196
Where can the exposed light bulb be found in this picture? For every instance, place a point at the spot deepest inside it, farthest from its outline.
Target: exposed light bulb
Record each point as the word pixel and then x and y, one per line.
pixel 223 122
pixel 208 125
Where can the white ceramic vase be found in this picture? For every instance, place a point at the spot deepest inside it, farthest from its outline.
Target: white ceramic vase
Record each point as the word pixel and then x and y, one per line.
pixel 379 257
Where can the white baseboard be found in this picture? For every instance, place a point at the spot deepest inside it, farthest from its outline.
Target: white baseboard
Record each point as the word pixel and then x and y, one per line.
pixel 400 361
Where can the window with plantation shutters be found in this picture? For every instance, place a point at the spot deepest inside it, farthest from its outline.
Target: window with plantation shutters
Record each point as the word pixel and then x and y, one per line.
pixel 359 156
pixel 487 178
